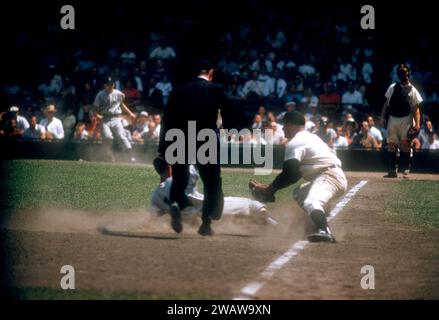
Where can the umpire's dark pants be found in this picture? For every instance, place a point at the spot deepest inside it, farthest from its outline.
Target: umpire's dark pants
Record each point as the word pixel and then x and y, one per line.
pixel 210 174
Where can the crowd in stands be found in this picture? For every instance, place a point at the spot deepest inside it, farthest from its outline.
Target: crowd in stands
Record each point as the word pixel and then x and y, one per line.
pixel 267 67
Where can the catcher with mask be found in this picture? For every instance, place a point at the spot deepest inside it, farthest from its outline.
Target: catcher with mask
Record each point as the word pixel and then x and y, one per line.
pixel 307 157
pixel 402 108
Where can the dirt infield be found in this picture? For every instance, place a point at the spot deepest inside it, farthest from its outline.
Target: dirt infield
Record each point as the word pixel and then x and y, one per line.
pixel 131 252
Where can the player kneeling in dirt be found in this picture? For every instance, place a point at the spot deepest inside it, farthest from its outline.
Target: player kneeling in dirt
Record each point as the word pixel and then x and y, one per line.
pixel 307 157
pixel 232 205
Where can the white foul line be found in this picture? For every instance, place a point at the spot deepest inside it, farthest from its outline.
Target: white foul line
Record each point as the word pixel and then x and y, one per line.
pixel 250 290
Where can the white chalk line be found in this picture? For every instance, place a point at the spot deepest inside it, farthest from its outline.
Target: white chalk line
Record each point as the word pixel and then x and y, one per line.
pixel 250 290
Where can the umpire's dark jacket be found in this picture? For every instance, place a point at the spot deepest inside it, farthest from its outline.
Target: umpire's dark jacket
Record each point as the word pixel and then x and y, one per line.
pixel 198 101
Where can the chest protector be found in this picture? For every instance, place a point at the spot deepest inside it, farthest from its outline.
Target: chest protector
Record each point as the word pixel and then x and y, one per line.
pixel 399 104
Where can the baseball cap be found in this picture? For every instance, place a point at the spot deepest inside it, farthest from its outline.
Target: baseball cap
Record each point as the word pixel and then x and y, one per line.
pixel 144 114
pixel 14 109
pixel 109 80
pixel 294 117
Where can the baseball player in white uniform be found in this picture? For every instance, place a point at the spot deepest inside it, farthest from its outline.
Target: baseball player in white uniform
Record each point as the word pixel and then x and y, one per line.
pixel 232 205
pixel 308 157
pixel 402 107
pixel 109 104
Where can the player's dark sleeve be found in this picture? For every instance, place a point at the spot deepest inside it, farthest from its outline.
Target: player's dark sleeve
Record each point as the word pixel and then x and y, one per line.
pixel 289 175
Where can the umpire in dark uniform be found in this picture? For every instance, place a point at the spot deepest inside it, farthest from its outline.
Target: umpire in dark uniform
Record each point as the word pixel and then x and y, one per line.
pixel 198 100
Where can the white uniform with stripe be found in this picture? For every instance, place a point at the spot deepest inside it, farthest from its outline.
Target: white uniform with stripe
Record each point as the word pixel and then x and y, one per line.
pixel 232 205
pixel 321 168
pixel 109 105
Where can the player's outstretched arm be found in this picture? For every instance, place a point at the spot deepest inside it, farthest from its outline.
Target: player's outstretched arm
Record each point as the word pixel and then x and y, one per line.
pixel 289 175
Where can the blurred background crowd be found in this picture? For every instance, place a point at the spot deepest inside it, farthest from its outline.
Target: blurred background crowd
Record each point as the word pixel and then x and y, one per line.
pixel 270 59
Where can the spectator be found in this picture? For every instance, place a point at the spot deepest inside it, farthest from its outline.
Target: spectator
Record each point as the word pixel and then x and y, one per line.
pixel 11 130
pixel 253 88
pixel 367 70
pixel 165 86
pixel 285 62
pixel 86 99
pixel 132 95
pixel 93 126
pixel 22 123
pixel 349 128
pixel 329 100
pixel 306 69
pixel 154 96
pixel 80 132
pixel 157 119
pixel 141 126
pixel 159 70
pixel 53 126
pixel 257 123
pixel 261 62
pixel 309 101
pixel 68 96
pixel 128 57
pixel 375 132
pixel 293 95
pixel 351 97
pixel 163 51
pixel 347 70
pixel 340 141
pixel 426 131
pixel 310 126
pixel 364 138
pixel 326 133
pixel 276 137
pixel 35 130
pixel 434 142
pixel 69 124
pixel 152 135
pixel 275 87
pixel 289 106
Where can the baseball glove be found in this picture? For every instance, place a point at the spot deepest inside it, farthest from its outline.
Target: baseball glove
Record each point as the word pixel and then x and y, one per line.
pixel 261 191
pixel 412 133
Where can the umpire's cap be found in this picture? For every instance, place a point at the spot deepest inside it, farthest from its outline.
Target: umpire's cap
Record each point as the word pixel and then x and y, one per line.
pixel 160 165
pixel 202 66
pixel 294 117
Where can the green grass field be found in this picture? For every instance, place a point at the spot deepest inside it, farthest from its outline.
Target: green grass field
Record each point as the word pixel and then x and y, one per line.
pixel 415 203
pixel 31 184
pixel 28 184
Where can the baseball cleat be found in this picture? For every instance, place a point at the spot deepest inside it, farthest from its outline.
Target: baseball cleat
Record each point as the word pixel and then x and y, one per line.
pixel 176 218
pixel 321 236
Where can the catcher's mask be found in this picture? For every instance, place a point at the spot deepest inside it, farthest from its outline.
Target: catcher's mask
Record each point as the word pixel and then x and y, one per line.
pixel 403 72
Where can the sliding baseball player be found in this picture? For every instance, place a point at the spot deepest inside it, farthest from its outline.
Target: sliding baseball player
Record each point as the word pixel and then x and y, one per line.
pixel 232 205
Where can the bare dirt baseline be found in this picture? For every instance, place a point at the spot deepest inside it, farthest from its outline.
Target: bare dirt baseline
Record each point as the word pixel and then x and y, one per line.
pixel 130 252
